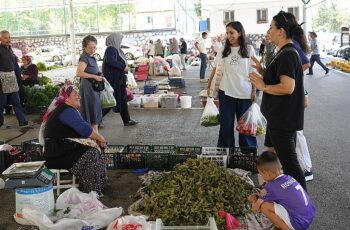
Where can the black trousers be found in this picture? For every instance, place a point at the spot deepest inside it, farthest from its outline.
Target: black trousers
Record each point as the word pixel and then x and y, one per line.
pixel 124 112
pixel 316 58
pixel 284 143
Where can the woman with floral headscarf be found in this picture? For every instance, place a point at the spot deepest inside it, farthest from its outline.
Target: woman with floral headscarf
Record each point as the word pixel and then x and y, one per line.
pixel 114 69
pixel 71 143
pixel 29 72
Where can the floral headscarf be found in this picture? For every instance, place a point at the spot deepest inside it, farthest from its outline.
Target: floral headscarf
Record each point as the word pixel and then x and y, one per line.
pixel 63 94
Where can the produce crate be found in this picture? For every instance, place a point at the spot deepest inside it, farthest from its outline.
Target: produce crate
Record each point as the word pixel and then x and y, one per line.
pixel 158 160
pixel 244 158
pixel 220 160
pixel 111 155
pixel 181 158
pixel 132 157
pixel 215 151
pixel 141 76
pixel 150 89
pixel 168 101
pixel 177 82
pixel 33 150
pixel 190 150
pixel 164 148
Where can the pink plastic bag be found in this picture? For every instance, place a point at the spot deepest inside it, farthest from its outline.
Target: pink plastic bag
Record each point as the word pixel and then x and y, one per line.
pixel 231 221
pixel 129 94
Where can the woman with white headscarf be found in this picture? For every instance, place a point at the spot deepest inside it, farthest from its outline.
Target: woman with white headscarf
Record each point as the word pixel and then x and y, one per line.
pixel 115 68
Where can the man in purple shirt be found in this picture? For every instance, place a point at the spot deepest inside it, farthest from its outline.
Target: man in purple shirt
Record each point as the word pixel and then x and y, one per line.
pixel 283 200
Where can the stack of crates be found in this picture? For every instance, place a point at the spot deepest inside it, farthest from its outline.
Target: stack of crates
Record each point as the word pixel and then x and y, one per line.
pixel 177 82
pixel 243 158
pixel 215 154
pixel 141 73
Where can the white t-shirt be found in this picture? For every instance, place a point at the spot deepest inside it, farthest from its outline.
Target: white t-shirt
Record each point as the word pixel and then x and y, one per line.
pixel 235 82
pixel 151 49
pixel 202 45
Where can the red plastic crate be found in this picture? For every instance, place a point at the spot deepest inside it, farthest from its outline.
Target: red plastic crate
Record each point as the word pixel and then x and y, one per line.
pixel 141 77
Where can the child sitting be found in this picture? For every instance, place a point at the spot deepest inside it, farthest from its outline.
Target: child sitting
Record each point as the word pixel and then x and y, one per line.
pixel 283 200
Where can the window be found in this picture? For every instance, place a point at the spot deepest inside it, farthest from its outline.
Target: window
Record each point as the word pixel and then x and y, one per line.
pixel 262 16
pixel 149 19
pixel 294 11
pixel 229 16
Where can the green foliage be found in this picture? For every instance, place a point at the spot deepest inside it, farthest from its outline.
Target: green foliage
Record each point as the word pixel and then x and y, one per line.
pixel 198 9
pixel 44 80
pixel 41 66
pixel 330 18
pixel 193 192
pixel 39 96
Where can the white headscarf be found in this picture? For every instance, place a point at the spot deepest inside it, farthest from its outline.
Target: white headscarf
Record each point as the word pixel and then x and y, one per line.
pixel 115 40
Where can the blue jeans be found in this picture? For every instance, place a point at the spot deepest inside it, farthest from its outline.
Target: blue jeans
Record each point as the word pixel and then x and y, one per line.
pixel 230 108
pixel 203 58
pixel 14 99
pixel 316 58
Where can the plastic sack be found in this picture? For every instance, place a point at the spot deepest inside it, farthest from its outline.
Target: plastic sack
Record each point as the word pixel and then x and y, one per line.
pixel 131 82
pixel 174 71
pixel 129 223
pixel 107 97
pixel 176 60
pixel 231 221
pixel 215 82
pixel 252 122
pixel 129 94
pixel 210 116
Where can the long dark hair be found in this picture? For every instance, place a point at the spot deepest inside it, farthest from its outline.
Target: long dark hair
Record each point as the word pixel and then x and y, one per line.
pixel 242 40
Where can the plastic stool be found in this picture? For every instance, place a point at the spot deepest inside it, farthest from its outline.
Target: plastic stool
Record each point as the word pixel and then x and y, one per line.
pixel 63 183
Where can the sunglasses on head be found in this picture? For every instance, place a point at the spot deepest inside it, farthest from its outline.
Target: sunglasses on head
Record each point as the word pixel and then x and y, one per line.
pixel 283 15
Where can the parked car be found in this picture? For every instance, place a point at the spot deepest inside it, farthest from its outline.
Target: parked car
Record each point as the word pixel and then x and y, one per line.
pixel 343 52
pixel 48 53
pixel 131 52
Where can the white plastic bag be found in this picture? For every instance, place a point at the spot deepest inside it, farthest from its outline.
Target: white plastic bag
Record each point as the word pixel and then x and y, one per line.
pixel 174 71
pixel 130 222
pixel 107 97
pixel 215 82
pixel 131 82
pixel 210 116
pixel 252 122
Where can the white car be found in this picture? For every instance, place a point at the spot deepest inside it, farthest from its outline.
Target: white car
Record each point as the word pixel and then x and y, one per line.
pixel 131 52
pixel 47 53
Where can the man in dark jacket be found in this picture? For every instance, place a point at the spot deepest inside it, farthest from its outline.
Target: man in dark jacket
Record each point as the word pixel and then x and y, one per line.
pixel 9 86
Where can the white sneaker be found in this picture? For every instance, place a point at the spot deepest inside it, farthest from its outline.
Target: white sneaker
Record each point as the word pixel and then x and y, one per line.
pixel 308 176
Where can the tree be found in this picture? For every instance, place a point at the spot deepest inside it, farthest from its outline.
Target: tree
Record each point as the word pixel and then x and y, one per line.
pixel 329 18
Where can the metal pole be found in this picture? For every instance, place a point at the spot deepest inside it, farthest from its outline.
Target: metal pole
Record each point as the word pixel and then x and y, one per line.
pixel 304 19
pixel 72 32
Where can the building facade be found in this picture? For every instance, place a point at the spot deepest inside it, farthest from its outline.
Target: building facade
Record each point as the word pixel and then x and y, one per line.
pixel 255 15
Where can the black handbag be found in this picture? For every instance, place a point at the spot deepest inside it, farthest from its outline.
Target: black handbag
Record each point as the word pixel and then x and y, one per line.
pixel 97 85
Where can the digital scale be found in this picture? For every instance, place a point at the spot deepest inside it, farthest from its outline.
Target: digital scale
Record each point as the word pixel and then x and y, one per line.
pixel 28 174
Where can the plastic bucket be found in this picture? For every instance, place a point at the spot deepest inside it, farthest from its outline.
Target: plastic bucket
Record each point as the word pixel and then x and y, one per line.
pixel 186 102
pixel 41 199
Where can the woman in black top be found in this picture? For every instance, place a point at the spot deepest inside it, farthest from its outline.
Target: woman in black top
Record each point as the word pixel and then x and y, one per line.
pixel 283 98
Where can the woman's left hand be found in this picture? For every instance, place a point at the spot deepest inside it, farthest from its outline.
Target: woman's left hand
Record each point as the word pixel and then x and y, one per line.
pixel 257 80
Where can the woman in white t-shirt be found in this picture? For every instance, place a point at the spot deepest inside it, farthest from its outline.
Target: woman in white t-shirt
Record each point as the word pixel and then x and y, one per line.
pixel 151 49
pixel 236 93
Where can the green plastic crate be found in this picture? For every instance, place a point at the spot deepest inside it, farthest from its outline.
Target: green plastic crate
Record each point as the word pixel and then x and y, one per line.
pixel 158 160
pixel 181 158
pixel 190 150
pixel 164 148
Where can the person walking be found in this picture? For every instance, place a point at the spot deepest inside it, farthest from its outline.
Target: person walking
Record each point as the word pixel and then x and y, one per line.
pixel 173 46
pixel 300 44
pixel 8 82
pixel 283 94
pixel 183 52
pixel 315 56
pixel 88 70
pixel 114 69
pixel 159 48
pixel 200 45
pixel 236 93
pixel 151 49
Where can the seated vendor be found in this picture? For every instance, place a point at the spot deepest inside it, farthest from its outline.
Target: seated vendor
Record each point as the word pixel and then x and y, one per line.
pixel 29 72
pixel 71 143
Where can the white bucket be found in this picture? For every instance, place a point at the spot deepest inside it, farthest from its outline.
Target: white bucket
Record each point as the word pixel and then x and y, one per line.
pixel 41 199
pixel 186 102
